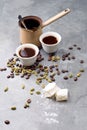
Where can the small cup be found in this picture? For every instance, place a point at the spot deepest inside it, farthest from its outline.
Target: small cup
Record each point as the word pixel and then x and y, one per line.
pixel 50 41
pixel 27 61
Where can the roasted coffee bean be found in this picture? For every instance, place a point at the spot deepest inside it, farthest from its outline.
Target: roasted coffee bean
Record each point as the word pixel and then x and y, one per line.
pixel 67 54
pixel 51 67
pixel 81 61
pixel 57 69
pixel 70 48
pixel 69 58
pixel 58 73
pixel 29 100
pixel 63 71
pixel 49 58
pixel 8 76
pixel 14 54
pixel 17 59
pixel 51 70
pixel 22 75
pixel 26 105
pixel 78 48
pixel 75 78
pixel 41 75
pixel 75 45
pixel 27 76
pixel 73 57
pixel 3 69
pixel 7 122
pixel 38 71
pixel 65 77
pixel 52 79
pixel 11 75
pixel 11 59
pixel 66 71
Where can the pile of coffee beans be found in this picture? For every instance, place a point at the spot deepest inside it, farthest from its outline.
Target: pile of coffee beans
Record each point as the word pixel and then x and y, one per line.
pixel 42 72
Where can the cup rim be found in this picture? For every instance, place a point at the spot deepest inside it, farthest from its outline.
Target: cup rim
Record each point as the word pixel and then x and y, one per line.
pixel 50 33
pixel 30 45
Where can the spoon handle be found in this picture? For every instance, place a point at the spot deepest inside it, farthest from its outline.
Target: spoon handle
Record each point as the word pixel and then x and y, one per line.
pixel 20 18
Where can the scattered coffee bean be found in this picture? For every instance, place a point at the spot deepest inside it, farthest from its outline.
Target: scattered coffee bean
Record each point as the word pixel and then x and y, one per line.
pixel 29 100
pixel 26 105
pixel 7 122
pixel 49 58
pixel 52 79
pixel 3 69
pixel 70 48
pixel 63 58
pixel 73 57
pixel 75 45
pixel 65 77
pixel 75 78
pixel 81 61
pixel 63 71
pixel 58 73
pixel 8 76
pixel 78 48
pixel 69 58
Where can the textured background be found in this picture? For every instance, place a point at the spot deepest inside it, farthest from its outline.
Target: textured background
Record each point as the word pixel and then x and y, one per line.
pixel 44 113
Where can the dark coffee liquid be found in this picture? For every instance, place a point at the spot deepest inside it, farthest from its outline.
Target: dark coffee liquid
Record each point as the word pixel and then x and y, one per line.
pixel 50 40
pixel 27 52
pixel 31 23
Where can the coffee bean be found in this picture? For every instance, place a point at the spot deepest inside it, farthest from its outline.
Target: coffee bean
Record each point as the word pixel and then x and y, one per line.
pixel 29 100
pixel 14 54
pixel 49 58
pixel 58 73
pixel 52 79
pixel 63 58
pixel 75 45
pixel 81 61
pixel 57 69
pixel 27 77
pixel 8 76
pixel 65 77
pixel 51 70
pixel 63 71
pixel 7 122
pixel 69 58
pixel 70 48
pixel 78 48
pixel 75 78
pixel 73 57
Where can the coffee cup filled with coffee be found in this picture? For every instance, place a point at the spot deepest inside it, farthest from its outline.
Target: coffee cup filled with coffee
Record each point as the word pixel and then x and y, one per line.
pixel 50 41
pixel 27 53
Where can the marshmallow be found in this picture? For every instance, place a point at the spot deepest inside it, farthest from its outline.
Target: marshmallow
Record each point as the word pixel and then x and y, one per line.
pixel 61 95
pixel 50 89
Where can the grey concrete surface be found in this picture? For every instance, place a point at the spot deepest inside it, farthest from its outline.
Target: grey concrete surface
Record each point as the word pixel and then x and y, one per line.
pixel 44 114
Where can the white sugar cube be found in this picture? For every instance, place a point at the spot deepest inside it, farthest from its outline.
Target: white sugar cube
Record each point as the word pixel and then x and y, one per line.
pixel 61 95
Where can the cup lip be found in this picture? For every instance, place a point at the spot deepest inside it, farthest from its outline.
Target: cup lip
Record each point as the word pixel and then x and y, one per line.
pixel 28 45
pixel 34 17
pixel 50 33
